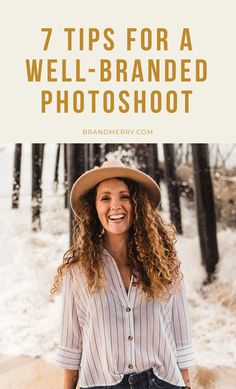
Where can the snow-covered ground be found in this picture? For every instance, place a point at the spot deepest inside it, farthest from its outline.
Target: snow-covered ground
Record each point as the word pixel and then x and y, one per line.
pixel 30 315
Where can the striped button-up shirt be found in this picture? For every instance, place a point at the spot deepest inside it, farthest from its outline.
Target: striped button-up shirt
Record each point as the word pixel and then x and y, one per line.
pixel 111 332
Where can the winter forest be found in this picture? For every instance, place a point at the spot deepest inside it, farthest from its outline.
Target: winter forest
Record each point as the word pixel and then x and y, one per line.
pixel 198 186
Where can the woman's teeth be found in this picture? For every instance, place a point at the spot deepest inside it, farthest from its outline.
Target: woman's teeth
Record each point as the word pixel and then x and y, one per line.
pixel 116 217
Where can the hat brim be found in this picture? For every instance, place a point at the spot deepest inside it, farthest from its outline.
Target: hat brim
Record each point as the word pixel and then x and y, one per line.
pixel 90 179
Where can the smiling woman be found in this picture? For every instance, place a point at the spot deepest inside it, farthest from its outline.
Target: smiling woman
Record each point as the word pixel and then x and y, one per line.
pixel 114 206
pixel 125 318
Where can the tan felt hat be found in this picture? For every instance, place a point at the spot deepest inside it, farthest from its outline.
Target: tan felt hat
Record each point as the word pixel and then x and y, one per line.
pixel 112 169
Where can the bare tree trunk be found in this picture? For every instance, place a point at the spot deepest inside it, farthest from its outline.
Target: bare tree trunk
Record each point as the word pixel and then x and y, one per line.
pixel 76 167
pixel 205 208
pixel 172 186
pixel 55 182
pixel 98 158
pixel 16 176
pixel 152 162
pixel 102 153
pixel 110 147
pixel 86 157
pixel 141 155
pixel 65 176
pixel 37 166
pixel 150 165
pixel 91 160
pixel 157 165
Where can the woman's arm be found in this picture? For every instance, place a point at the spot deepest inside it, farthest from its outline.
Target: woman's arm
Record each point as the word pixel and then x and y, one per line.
pixel 181 328
pixel 69 351
pixel 186 377
pixel 70 379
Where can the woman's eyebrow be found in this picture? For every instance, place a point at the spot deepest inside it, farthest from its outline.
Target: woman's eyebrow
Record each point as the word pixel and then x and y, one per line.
pixel 121 191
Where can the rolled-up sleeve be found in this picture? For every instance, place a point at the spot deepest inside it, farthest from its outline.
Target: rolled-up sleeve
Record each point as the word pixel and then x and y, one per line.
pixel 182 329
pixel 70 345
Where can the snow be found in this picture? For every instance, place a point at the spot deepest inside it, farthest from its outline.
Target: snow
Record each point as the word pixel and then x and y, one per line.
pixel 30 315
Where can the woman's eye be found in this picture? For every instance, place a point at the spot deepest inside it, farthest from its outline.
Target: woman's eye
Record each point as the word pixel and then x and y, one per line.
pixel 122 197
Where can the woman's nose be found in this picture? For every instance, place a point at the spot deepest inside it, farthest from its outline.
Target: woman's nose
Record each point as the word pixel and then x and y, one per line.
pixel 115 203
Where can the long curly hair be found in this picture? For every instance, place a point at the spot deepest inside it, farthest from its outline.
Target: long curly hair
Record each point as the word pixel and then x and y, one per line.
pixel 151 253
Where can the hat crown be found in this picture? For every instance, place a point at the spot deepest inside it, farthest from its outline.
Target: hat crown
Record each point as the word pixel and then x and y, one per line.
pixel 113 163
pixel 111 169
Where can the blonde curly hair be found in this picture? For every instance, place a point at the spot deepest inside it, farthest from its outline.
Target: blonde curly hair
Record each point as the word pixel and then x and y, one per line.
pixel 151 253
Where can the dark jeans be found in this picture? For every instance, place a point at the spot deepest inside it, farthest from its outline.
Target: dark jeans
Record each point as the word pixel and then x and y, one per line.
pixel 144 380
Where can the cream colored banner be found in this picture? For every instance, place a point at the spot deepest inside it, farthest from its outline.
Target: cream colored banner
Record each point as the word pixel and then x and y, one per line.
pixel 126 71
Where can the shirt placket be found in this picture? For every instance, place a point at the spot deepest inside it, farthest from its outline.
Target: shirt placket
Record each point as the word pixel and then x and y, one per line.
pixel 127 301
pixel 130 363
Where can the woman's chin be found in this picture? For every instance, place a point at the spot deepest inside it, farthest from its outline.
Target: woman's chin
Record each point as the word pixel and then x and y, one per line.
pixel 117 230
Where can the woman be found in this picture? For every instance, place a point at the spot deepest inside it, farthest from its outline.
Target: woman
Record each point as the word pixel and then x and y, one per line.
pixel 125 319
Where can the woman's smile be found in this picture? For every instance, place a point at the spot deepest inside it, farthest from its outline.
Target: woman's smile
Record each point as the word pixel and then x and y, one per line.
pixel 119 217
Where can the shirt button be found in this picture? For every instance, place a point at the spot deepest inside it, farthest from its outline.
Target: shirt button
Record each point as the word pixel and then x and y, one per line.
pixel 128 309
pixel 130 366
pixel 130 337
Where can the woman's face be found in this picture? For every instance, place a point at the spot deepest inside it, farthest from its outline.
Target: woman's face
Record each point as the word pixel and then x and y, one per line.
pixel 114 207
